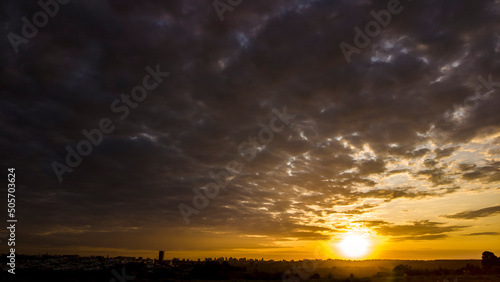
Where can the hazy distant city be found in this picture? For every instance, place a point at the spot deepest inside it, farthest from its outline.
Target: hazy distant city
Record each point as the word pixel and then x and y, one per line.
pixel 122 268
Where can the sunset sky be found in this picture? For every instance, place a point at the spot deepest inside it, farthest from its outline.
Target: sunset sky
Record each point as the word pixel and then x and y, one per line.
pixel 388 153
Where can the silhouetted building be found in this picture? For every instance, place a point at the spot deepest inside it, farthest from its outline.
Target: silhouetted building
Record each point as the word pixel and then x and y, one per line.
pixel 161 256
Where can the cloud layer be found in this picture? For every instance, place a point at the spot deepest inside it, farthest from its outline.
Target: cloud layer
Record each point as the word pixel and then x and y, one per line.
pixel 365 134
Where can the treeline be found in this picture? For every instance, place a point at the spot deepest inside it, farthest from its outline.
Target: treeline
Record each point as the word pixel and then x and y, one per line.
pixel 469 269
pixel 489 262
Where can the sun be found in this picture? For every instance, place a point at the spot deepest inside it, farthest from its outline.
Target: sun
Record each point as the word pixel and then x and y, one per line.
pixel 354 245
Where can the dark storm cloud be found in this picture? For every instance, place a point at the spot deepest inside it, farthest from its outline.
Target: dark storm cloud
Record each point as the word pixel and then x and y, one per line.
pixel 226 77
pixel 474 214
pixel 446 152
pixel 420 153
pixel 437 176
pixel 371 166
pixel 430 163
pixel 488 173
pixel 360 210
pixel 418 230
pixel 483 234
pixel 403 192
pixel 422 237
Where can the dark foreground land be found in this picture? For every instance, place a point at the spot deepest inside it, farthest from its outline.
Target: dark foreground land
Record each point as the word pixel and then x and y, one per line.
pixel 121 269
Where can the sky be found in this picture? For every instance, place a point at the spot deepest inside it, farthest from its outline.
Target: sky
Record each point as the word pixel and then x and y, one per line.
pixel 395 141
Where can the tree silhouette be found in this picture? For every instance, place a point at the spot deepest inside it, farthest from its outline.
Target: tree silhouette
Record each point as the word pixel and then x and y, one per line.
pixel 401 269
pixel 489 260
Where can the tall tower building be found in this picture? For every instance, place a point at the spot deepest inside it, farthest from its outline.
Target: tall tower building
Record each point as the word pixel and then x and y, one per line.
pixel 161 255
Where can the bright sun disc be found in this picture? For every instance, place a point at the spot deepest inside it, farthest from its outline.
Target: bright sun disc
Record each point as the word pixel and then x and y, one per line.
pixel 354 245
